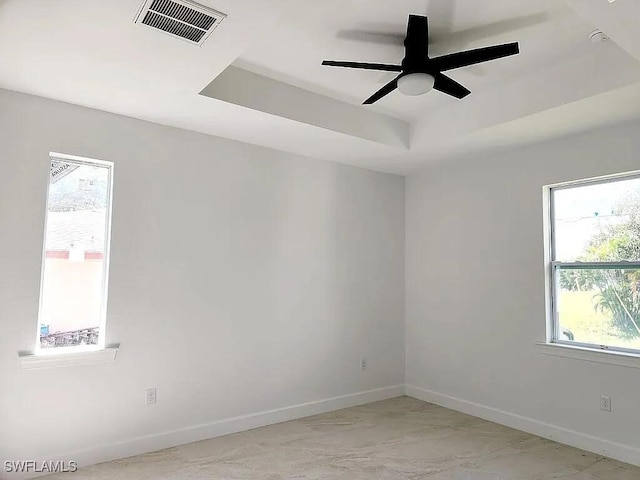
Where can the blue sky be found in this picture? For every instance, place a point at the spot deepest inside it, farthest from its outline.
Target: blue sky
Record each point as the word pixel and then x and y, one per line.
pixel 579 211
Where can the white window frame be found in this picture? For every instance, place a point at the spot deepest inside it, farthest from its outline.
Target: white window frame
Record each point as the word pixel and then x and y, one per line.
pixel 553 267
pixel 39 351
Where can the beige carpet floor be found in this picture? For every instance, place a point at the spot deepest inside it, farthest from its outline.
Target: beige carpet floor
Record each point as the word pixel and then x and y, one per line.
pixel 396 439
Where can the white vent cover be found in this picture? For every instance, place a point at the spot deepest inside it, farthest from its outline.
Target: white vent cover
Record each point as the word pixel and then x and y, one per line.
pixel 184 19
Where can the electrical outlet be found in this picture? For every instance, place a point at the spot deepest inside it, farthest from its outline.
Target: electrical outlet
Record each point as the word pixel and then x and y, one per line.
pixel 151 396
pixel 363 364
pixel 605 403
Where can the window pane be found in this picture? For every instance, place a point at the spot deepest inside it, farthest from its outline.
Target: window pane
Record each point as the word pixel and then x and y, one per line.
pixel 601 222
pixel 74 261
pixel 600 306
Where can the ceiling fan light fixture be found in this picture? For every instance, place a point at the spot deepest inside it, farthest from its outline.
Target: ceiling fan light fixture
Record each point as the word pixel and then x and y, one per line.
pixel 419 73
pixel 415 84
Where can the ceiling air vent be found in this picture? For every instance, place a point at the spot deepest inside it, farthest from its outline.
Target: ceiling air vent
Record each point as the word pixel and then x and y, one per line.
pixel 181 18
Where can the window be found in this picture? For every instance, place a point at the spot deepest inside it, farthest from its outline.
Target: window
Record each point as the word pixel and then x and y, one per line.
pixel 595 264
pixel 73 291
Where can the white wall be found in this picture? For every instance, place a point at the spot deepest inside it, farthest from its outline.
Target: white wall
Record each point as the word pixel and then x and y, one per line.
pixel 245 280
pixel 242 280
pixel 476 294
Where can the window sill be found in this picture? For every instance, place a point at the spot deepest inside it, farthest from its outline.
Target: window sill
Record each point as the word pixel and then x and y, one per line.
pixel 590 354
pixel 30 361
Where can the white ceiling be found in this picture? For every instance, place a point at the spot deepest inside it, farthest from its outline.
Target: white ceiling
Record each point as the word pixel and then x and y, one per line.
pixel 90 53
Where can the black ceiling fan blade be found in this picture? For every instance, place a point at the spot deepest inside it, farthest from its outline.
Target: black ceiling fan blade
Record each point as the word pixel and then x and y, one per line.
pixel 417 41
pixel 364 66
pixel 386 90
pixel 449 86
pixel 462 38
pixel 473 57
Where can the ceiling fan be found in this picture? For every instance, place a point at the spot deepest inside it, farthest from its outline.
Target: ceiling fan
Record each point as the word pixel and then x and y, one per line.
pixel 420 74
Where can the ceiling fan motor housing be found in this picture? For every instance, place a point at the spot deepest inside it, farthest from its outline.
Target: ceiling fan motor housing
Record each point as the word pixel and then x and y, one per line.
pixel 416 45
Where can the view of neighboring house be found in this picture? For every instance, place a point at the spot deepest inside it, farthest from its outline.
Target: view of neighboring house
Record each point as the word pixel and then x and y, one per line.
pixel 74 256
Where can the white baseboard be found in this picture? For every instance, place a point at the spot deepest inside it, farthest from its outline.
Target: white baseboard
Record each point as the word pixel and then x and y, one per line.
pixel 601 446
pixel 151 443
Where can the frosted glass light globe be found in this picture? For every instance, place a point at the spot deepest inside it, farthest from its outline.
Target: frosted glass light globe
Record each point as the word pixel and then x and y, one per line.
pixel 416 83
